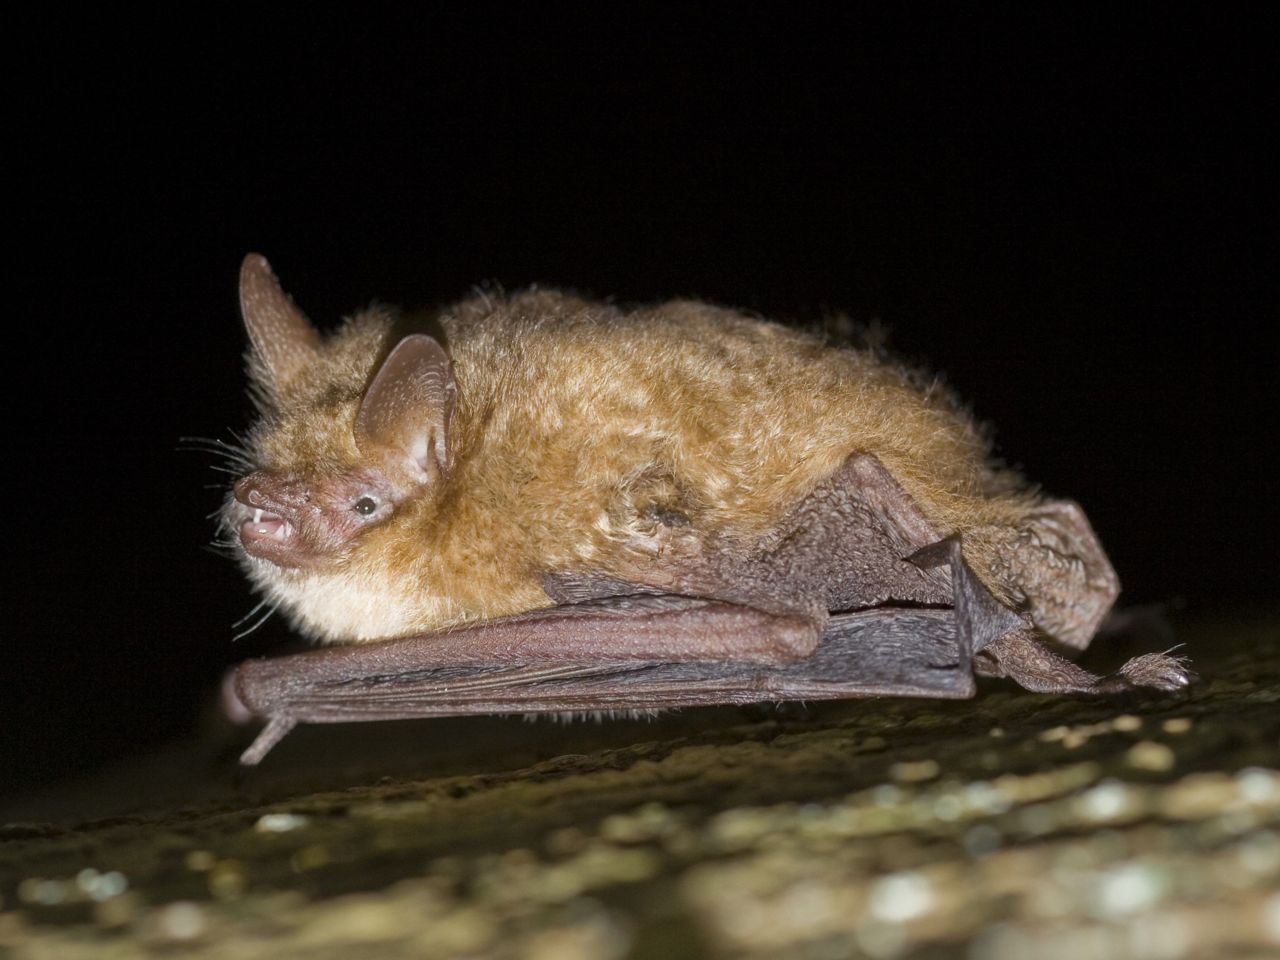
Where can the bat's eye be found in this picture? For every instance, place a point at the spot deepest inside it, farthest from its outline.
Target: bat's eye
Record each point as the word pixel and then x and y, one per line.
pixel 365 506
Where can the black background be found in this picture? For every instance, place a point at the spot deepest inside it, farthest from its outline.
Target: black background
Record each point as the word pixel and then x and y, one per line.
pixel 1071 214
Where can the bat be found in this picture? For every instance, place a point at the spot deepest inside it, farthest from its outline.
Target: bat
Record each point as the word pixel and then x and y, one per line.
pixel 536 503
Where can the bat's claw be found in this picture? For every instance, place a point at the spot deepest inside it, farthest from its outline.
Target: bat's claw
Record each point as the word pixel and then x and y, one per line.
pixel 1158 670
pixel 234 708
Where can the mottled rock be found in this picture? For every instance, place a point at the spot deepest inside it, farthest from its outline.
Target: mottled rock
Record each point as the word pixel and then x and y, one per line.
pixel 1009 826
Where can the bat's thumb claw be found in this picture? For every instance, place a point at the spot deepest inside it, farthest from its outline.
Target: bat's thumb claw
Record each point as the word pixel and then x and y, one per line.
pixel 271 734
pixel 233 708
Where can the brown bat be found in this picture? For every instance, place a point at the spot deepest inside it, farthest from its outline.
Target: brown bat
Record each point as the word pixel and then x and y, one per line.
pixel 556 505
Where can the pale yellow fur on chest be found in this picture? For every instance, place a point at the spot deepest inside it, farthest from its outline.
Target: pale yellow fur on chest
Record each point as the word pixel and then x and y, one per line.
pixel 350 607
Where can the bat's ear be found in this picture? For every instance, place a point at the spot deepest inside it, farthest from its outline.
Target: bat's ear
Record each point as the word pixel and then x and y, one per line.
pixel 282 338
pixel 408 407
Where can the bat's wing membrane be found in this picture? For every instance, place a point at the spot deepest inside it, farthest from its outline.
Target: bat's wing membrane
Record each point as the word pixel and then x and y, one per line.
pixel 890 652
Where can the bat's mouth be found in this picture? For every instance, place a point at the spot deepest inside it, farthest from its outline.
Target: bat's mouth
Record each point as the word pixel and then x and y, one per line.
pixel 271 537
pixel 266 526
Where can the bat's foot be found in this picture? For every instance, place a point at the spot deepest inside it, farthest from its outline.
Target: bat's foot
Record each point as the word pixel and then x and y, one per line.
pixel 1157 670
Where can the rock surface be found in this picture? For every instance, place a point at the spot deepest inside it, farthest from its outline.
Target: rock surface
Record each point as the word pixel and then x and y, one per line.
pixel 1013 825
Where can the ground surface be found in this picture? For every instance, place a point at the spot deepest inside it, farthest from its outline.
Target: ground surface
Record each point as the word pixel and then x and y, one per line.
pixel 1010 826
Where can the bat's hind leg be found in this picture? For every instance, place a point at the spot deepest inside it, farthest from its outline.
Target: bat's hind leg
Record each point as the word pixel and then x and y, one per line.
pixel 1004 646
pixel 1022 658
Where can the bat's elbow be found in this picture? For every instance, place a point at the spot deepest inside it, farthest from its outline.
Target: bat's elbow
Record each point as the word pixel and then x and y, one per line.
pixel 797 639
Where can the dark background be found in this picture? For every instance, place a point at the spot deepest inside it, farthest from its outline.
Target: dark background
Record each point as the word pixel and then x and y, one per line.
pixel 1072 215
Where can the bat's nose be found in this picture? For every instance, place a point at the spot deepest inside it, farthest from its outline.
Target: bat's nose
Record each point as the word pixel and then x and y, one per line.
pixel 272 491
pixel 248 490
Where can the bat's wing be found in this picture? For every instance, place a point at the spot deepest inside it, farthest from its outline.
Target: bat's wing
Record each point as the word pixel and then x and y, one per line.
pixel 413 676
pixel 876 652
pixel 890 652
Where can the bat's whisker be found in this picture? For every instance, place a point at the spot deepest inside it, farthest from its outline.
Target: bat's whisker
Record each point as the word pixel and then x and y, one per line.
pixel 256 624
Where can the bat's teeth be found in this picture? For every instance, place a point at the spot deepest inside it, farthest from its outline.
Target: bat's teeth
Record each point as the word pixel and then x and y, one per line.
pixel 267 531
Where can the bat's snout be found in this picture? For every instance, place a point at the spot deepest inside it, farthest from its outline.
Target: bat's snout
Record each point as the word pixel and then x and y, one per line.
pixel 271 531
pixel 262 491
pixel 247 491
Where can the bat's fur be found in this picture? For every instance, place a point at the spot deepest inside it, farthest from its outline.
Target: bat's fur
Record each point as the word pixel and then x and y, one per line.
pixel 579 424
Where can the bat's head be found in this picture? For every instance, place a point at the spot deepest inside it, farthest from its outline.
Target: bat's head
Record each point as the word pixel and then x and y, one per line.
pixel 354 435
